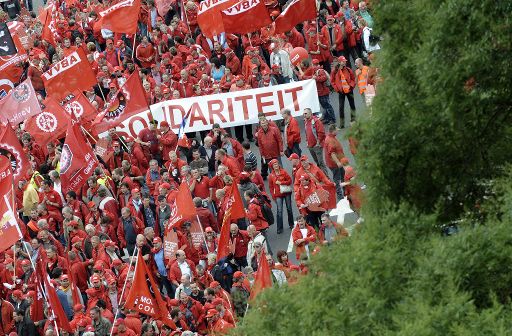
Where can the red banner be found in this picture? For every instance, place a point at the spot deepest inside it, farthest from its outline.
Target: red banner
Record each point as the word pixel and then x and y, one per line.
pixel 11 68
pixel 234 210
pixel 121 17
pixel 170 245
pixel 49 125
pixel 11 148
pixel 9 231
pixel 48 18
pixel 126 102
pixel 245 17
pixel 19 104
pixel 209 16
pixel 72 73
pixel 77 160
pixel 19 29
pixel 145 297
pixel 296 12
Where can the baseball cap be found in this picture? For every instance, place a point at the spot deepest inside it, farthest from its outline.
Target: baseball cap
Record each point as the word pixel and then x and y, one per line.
pixel 91 204
pixel 211 313
pixel 294 156
pixel 157 240
pixel 208 229
pixel 342 59
pixel 214 284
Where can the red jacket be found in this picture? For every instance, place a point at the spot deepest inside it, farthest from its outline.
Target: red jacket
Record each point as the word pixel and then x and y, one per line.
pixel 233 166
pixel 207 219
pixel 240 242
pixel 297 234
pixel 348 74
pixel 168 142
pixel 302 194
pixel 315 131
pixel 337 34
pixel 292 133
pixel 238 152
pixel 256 216
pixel 282 177
pixel 138 227
pixel 175 271
pixel 270 142
pixel 6 311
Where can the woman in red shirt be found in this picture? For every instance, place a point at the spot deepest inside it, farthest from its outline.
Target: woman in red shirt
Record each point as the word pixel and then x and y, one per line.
pixel 280 185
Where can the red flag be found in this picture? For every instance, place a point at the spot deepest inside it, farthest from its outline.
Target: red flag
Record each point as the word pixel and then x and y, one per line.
pixel 163 6
pixel 245 17
pixel 126 102
pixel 11 148
pixel 235 203
pixel 19 104
pixel 72 73
pixel 209 16
pixel 49 125
pixel 9 229
pixel 77 160
pixel 37 307
pixel 296 12
pixel 19 29
pixel 263 277
pixel 52 298
pixel 224 248
pixel 121 17
pixel 78 106
pixel 48 17
pixel 182 209
pixel 234 210
pixel 145 297
pixel 11 68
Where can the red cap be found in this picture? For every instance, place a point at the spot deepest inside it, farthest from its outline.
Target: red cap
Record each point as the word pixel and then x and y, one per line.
pixel 164 91
pixel 275 13
pixel 25 262
pixel 330 17
pixel 217 301
pixel 244 175
pixel 272 162
pixel 214 284
pixel 73 223
pixel 95 279
pixel 342 59
pixel 64 277
pixel 275 66
pixel 164 123
pixel 119 321
pixel 165 185
pixel 78 307
pixel 89 328
pixel 211 313
pixel 174 303
pixel 75 240
pixel 117 262
pixel 8 261
pixel 157 240
pixel 134 191
pixel 17 293
pixel 91 204
pixel 109 243
pixel 208 229
pixel 294 156
pixel 98 265
pixel 115 144
pixel 304 158
pixel 315 61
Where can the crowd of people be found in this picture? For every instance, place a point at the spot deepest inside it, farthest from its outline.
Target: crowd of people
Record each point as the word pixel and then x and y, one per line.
pixel 124 207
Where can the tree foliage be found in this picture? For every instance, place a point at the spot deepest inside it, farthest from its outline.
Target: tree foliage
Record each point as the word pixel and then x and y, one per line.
pixel 437 148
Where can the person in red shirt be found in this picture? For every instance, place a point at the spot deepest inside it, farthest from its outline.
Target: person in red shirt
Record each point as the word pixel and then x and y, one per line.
pixel 344 83
pixel 280 185
pixel 292 137
pixel 167 138
pixel 148 139
pixel 112 55
pixel 145 53
pixel 50 197
pixel 228 161
pixel 315 136
pixel 255 215
pixel 217 325
pixel 334 155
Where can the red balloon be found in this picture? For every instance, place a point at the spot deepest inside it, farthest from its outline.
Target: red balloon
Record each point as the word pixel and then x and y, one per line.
pixel 298 55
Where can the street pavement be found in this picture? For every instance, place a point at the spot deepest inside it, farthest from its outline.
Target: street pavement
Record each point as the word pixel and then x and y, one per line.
pixel 281 241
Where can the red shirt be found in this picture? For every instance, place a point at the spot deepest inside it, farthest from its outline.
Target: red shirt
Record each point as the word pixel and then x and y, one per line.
pixel 53 197
pixel 315 131
pixel 202 188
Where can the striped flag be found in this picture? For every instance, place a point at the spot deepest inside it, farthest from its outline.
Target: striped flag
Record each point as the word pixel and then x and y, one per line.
pixel 182 137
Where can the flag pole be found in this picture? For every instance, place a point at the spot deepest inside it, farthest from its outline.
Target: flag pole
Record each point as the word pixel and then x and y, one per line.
pixel 133 45
pixel 89 134
pixel 41 288
pixel 249 37
pixel 202 231
pixel 124 287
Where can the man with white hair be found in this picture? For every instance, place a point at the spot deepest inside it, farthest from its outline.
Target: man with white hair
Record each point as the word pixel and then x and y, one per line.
pixel 282 58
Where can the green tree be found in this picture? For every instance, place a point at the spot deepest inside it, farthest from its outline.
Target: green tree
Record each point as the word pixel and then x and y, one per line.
pixel 437 148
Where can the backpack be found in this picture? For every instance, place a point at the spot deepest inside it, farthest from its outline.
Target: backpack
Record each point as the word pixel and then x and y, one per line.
pixel 266 208
pixel 327 83
pixel 372 39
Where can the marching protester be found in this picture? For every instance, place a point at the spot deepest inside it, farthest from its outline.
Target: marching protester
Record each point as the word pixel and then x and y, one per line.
pixel 127 218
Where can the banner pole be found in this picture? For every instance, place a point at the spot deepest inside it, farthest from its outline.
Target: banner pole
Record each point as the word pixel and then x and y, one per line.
pixel 124 287
pixel 249 37
pixel 89 134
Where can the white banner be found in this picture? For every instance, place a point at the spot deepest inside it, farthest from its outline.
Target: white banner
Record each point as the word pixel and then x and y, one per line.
pixel 228 109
